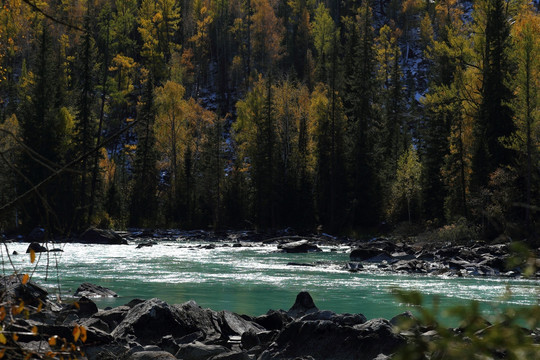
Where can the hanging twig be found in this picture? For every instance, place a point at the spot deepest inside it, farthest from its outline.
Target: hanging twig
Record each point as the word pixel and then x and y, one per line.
pixel 50 17
pixel 68 165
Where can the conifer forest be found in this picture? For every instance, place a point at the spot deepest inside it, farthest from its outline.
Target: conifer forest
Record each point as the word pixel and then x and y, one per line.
pixel 349 116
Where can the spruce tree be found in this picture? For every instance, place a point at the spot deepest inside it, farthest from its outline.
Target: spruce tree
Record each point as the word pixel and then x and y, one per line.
pixel 360 87
pixel 46 129
pixel 495 114
pixel 143 207
pixel 85 80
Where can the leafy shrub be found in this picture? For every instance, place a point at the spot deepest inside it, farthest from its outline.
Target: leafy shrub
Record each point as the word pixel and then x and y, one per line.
pixel 460 231
pixel 508 333
pixel 502 337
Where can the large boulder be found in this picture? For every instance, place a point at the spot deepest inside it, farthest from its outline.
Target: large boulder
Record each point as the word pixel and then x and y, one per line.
pixel 197 319
pixel 303 305
pixel 102 236
pixel 365 254
pixel 151 320
pixel 302 246
pixel 375 251
pixel 38 248
pixel 112 317
pixel 13 291
pixel 91 290
pixel 379 336
pixel 273 320
pixel 232 324
pixel 325 339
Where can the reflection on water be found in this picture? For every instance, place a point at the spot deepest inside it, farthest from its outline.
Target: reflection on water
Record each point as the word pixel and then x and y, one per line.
pixel 251 280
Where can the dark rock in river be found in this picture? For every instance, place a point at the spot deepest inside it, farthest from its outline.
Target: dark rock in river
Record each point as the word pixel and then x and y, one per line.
pixel 102 236
pixel 303 305
pixel 411 266
pixel 92 290
pixel 146 244
pixel 36 247
pixel 302 246
pixel 353 266
pixel 300 264
pixel 363 254
pixel 375 251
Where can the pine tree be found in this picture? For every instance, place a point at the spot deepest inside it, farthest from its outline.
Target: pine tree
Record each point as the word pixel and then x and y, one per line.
pixel 201 42
pixel 46 127
pixel 158 26
pixel 123 26
pixel 85 125
pixel 359 100
pixel 441 131
pixel 392 135
pixel 525 140
pixel 143 207
pixel 494 115
pixel 327 113
pixel 256 138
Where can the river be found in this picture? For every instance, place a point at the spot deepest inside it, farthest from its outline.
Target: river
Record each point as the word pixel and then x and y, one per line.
pixel 251 280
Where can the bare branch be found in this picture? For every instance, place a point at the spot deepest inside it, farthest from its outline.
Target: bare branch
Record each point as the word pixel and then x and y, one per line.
pixel 50 17
pixel 68 165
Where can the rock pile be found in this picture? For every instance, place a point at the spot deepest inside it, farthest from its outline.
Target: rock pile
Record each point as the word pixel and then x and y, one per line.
pixel 153 329
pixel 451 260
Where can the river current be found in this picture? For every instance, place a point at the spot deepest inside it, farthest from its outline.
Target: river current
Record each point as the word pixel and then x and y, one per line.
pixel 251 279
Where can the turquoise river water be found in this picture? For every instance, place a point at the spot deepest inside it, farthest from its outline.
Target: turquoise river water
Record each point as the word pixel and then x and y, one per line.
pixel 251 280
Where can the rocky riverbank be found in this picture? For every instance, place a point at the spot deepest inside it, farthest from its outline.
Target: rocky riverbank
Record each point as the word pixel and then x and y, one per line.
pixel 399 255
pixel 392 254
pixel 33 325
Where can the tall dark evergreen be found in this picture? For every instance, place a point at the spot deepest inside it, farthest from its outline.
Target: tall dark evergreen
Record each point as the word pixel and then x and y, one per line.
pixel 104 47
pixel 440 113
pixel 264 163
pixel 85 82
pixel 330 194
pixel 45 124
pixel 143 208
pixel 494 114
pixel 360 87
